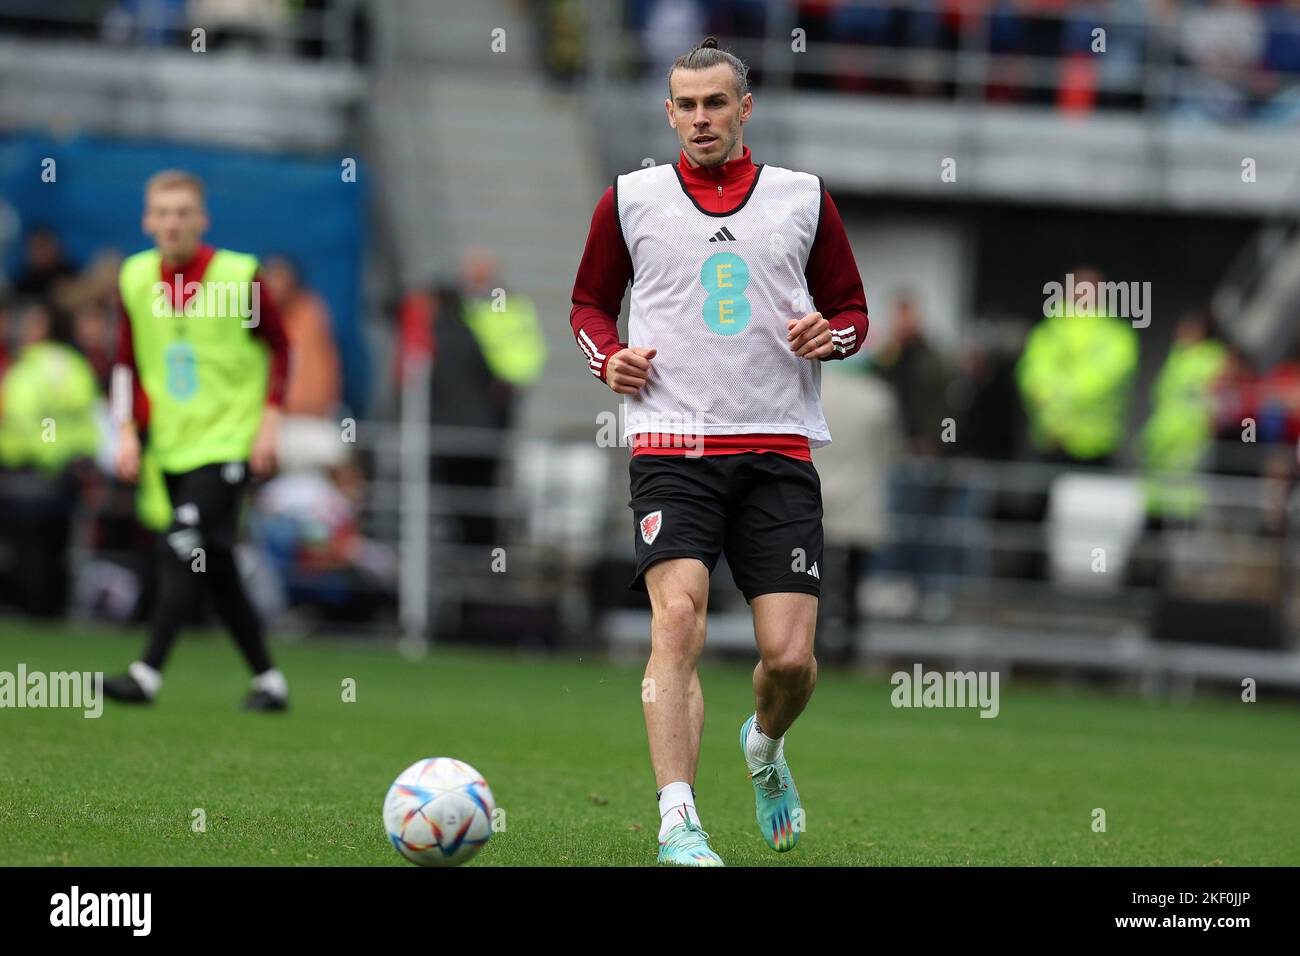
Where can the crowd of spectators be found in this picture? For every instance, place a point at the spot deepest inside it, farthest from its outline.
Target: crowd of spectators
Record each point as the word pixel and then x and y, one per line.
pixel 1221 60
pixel 284 27
pixel 1061 394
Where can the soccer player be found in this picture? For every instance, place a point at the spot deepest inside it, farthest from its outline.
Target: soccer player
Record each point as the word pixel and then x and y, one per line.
pixel 202 362
pixel 743 282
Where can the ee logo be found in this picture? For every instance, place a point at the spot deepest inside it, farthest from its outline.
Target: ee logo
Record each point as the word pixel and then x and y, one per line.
pixel 725 275
pixel 182 371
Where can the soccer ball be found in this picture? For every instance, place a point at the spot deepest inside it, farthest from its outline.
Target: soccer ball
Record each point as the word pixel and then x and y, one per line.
pixel 438 812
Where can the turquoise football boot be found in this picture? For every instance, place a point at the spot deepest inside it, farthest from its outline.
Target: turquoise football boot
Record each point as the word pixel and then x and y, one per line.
pixel 776 799
pixel 688 845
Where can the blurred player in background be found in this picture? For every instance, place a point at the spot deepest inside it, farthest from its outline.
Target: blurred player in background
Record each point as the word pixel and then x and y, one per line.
pixel 721 376
pixel 48 435
pixel 202 362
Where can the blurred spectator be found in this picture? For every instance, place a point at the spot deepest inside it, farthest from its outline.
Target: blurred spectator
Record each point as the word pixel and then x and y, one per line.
pixel 916 374
pixel 984 397
pixel 1282 46
pixel 44 265
pixel 94 337
pixel 862 414
pixel 1282 60
pixel 91 301
pixel 869 25
pixel 309 431
pixel 1076 376
pixel 308 525
pixel 1179 435
pixel 48 428
pixel 315 381
pixel 743 18
pixel 487 344
pixel 1019 35
pixel 672 27
pixel 986 406
pixel 1088 78
pixel 561 37
pixel 1238 396
pixel 1279 410
pixel 917 487
pixel 1223 41
pixel 1176 441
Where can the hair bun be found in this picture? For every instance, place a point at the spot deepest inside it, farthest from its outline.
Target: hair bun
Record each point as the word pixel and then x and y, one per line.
pixel 709 43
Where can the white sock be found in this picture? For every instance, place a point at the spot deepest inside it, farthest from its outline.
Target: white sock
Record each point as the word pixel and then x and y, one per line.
pixel 760 748
pixel 272 682
pixel 676 803
pixel 150 680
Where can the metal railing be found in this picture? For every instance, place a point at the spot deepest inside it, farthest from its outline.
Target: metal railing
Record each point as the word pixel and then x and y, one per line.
pixel 981 532
pixel 978 533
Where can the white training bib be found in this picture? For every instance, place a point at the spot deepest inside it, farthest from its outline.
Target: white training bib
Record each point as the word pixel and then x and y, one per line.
pixel 713 294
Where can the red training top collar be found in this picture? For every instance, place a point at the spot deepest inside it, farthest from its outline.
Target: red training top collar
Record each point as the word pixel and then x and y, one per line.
pixel 730 171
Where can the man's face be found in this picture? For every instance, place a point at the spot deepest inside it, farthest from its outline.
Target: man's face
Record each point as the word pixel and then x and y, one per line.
pixel 707 115
pixel 34 326
pixel 90 327
pixel 43 250
pixel 905 324
pixel 175 219
pixel 478 272
pixel 1086 281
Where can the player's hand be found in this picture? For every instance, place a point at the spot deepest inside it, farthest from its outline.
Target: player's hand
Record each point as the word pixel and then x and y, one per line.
pixel 628 370
pixel 810 337
pixel 262 459
pixel 127 461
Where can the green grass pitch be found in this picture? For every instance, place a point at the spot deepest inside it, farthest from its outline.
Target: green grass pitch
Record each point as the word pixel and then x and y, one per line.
pixel 562 744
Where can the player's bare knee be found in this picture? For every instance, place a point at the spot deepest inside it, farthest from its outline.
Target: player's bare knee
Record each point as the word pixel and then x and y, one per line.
pixel 677 630
pixel 678 626
pixel 793 664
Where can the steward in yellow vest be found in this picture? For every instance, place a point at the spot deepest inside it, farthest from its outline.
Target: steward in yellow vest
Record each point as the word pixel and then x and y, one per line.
pixel 49 403
pixel 1180 432
pixel 47 408
pixel 1075 377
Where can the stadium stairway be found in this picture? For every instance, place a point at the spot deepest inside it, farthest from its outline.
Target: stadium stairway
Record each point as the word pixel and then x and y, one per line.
pixel 473 147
